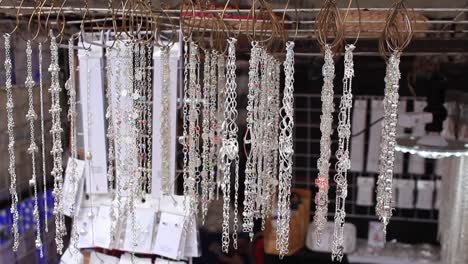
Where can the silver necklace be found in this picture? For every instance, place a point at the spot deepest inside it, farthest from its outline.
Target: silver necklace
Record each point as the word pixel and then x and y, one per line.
pixel 165 122
pixel 213 125
pixel 43 146
pixel 250 191
pixel 286 151
pixel 323 164
pixel 149 117
pixel 11 143
pixel 44 169
pixel 206 162
pixel 110 121
pixel 70 87
pixel 220 119
pixel 230 148
pixel 31 116
pixel 388 141
pixel 56 131
pixel 343 164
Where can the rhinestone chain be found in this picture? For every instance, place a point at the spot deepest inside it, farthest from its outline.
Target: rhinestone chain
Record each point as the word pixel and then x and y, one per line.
pixel 206 162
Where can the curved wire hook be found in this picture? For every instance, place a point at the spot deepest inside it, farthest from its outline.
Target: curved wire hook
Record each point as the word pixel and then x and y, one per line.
pixel 18 10
pixel 360 21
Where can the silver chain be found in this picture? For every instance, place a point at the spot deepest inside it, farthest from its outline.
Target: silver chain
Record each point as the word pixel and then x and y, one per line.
pixel 230 147
pixel 57 150
pixel 250 167
pixel 149 117
pixel 31 116
pixel 342 154
pixel 206 162
pixel 43 145
pixel 110 121
pixel 11 142
pixel 388 141
pixel 213 124
pixel 165 121
pixel 286 151
pixel 323 163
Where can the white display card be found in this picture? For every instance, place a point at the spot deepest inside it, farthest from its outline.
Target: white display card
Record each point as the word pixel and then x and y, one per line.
pixel 130 259
pixel 374 136
pixel 99 258
pixel 71 256
pixel 86 227
pixel 365 191
pixel 358 142
pixel 102 236
pixel 173 204
pixel 191 248
pixel 405 193
pixel 71 197
pixel 425 196
pixel 144 226
pixel 169 235
pixel 416 163
pixel 438 194
pixel 93 130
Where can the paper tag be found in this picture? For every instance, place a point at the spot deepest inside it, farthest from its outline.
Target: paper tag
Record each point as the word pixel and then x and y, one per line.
pixel 102 237
pixel 86 227
pixel 72 195
pixel 144 225
pixel 99 258
pixel 71 257
pixel 129 259
pixel 169 235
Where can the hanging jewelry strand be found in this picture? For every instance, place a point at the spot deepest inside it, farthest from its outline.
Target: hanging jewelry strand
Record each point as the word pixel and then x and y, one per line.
pixel 323 163
pixel 11 143
pixel 388 141
pixel 286 151
pixel 230 147
pixel 342 154
pixel 70 87
pixel 250 190
pixel 43 146
pixel 31 116
pixel 56 131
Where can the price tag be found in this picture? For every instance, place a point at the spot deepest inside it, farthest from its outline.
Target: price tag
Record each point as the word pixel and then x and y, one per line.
pixel 144 225
pixel 73 193
pixel 99 258
pixel 169 236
